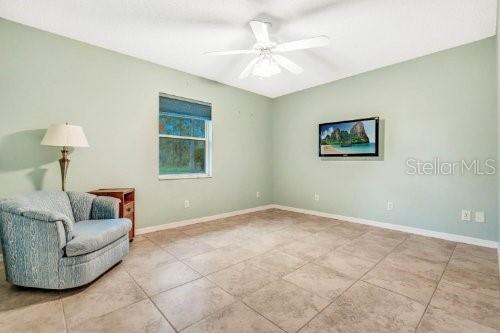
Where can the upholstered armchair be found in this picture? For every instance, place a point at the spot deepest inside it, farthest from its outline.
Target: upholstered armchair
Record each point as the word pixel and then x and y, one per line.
pixel 59 240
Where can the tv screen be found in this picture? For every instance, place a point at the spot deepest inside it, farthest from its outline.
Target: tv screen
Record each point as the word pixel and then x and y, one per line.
pixel 358 137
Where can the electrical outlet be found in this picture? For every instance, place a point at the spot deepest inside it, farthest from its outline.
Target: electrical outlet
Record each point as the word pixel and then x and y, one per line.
pixel 257 194
pixel 390 205
pixel 316 197
pixel 479 217
pixel 466 215
pixel 186 203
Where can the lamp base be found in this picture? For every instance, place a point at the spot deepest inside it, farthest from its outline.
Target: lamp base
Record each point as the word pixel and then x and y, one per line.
pixel 64 163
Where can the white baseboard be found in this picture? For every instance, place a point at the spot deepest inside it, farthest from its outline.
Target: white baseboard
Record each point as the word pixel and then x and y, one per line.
pixel 412 230
pixel 182 223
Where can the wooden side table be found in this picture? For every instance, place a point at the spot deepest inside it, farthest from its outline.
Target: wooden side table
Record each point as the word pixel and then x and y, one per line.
pixel 127 203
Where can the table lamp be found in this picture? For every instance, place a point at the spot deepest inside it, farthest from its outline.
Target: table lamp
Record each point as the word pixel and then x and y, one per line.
pixel 64 136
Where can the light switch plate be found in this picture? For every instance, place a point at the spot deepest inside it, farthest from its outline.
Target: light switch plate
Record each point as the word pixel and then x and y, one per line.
pixel 479 217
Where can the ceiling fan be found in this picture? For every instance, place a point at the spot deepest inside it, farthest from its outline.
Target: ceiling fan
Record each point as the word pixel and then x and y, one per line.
pixel 268 62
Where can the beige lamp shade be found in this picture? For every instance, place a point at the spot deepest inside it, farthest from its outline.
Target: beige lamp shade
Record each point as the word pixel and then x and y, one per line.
pixel 65 136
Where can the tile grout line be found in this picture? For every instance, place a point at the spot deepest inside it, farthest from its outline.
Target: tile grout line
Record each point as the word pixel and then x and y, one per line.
pixel 437 286
pixel 133 303
pixel 278 278
pixel 183 284
pixel 215 249
pixel 260 314
pixel 359 279
pixel 307 262
pixel 239 298
pixel 247 259
pixel 216 271
pixel 107 313
pixel 471 291
pixel 203 275
pixel 497 275
pixel 417 275
pixel 393 292
pixel 201 241
pixel 281 278
pixel 210 314
pixel 313 262
pixel 66 328
pixel 176 256
pixel 149 298
pixel 227 306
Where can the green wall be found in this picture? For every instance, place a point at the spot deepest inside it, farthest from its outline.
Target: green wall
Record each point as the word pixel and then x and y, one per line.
pixel 47 79
pixel 442 105
pixel 498 117
pixel 439 105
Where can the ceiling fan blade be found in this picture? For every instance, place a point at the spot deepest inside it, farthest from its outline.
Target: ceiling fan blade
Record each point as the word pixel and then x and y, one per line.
pixel 288 64
pixel 249 68
pixel 217 53
pixel 302 44
pixel 260 31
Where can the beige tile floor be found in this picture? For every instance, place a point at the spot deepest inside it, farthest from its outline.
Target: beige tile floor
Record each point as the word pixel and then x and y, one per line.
pixel 274 271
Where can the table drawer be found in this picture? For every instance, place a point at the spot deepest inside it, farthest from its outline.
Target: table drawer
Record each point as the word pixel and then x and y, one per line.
pixel 128 210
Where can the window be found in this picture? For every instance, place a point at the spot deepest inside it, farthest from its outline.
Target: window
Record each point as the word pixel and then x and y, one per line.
pixel 185 130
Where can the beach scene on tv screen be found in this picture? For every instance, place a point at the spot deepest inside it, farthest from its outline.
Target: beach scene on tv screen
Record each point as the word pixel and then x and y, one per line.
pixel 355 137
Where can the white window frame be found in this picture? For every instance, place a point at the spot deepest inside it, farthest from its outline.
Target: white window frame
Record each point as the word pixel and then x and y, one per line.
pixel 208 146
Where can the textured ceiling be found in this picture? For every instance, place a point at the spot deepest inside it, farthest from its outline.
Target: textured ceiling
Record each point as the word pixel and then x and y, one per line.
pixel 365 34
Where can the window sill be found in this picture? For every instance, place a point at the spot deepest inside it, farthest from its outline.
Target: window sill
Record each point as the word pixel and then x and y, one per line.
pixel 184 176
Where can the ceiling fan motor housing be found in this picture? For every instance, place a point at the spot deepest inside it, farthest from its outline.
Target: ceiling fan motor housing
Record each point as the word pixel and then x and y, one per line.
pixel 268 63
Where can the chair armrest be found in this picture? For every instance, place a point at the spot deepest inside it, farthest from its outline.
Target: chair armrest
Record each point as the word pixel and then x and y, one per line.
pixel 104 208
pixel 32 249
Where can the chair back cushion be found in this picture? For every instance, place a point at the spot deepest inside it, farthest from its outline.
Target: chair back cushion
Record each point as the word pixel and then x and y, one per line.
pixel 81 203
pixel 44 206
pixel 52 201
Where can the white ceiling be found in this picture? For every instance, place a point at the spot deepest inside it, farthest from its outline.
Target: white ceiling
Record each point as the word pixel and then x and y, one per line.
pixel 365 34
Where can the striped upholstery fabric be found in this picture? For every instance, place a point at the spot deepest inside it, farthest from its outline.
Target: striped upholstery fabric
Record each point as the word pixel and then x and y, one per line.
pixel 80 270
pixel 104 208
pixel 93 235
pixel 43 206
pixel 35 229
pixel 81 203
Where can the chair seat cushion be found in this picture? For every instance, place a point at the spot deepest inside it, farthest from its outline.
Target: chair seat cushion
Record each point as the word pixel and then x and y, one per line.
pixel 92 235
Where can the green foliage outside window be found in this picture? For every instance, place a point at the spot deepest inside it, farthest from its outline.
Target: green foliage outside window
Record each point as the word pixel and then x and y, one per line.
pixel 182 126
pixel 184 136
pixel 179 156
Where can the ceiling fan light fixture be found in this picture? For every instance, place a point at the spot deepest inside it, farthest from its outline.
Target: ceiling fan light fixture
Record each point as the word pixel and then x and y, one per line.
pixel 266 67
pixel 268 61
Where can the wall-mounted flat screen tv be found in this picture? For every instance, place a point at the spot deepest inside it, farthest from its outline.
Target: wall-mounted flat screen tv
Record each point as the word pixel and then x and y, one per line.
pixel 358 137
